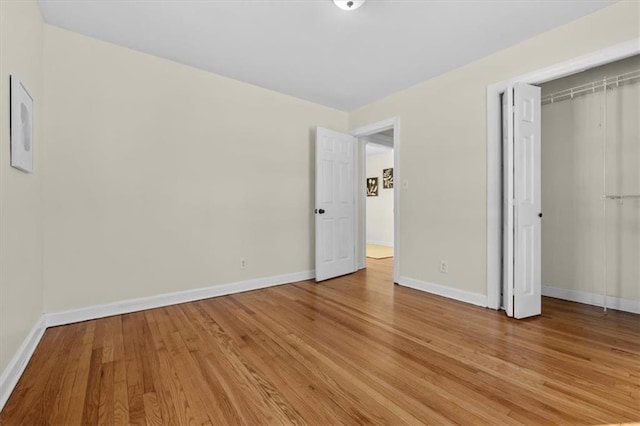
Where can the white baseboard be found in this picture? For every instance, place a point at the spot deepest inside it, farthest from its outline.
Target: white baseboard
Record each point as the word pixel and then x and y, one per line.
pixel 381 243
pixel 452 293
pixel 617 303
pixel 18 363
pixel 134 305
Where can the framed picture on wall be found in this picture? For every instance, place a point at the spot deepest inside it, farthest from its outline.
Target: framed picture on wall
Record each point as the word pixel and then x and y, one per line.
pixel 21 126
pixel 387 178
pixel 372 187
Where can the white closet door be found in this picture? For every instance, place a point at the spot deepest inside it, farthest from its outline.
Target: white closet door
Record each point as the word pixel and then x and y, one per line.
pixel 522 237
pixel 335 204
pixel 527 201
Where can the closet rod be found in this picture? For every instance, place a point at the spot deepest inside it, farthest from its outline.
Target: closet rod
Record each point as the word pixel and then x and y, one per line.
pixel 592 87
pixel 620 196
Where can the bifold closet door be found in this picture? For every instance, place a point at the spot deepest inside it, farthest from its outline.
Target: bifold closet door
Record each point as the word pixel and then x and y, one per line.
pixel 523 201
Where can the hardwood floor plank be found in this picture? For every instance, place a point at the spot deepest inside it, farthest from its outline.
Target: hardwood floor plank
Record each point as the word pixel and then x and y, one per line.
pixel 121 404
pixel 106 404
pixel 350 383
pixel 288 370
pixel 356 349
pixel 63 397
pixel 133 342
pixel 281 362
pixel 152 409
pixel 180 361
pixel 214 367
pixel 75 408
pixel 92 399
pixel 271 405
pixel 168 388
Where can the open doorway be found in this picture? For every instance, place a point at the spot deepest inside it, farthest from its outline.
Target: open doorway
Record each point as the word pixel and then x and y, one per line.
pixel 383 142
pixel 590 192
pixel 379 195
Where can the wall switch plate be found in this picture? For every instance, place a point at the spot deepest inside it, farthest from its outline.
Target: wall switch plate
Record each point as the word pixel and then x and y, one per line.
pixel 243 263
pixel 444 266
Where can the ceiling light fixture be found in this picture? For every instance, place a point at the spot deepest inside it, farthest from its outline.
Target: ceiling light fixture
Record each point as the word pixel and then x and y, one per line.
pixel 349 4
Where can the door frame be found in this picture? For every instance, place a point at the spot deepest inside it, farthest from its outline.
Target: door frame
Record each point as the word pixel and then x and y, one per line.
pixel 494 147
pixel 370 129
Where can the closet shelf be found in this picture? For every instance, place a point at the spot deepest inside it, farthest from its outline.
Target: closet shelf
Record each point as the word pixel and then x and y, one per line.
pixel 592 87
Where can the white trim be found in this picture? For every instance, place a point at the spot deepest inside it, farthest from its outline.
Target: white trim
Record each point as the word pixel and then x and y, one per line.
pixel 595 299
pixel 362 193
pixel 494 181
pixel 381 243
pixel 441 290
pixel 354 210
pixel 134 305
pixel 18 363
pixel 369 129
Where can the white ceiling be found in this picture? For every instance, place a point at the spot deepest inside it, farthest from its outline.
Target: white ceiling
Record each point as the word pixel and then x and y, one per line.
pixel 313 50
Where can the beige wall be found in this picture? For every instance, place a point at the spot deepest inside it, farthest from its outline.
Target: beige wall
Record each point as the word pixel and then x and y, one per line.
pixel 21 293
pixel 443 212
pixel 572 183
pixel 160 177
pixel 380 208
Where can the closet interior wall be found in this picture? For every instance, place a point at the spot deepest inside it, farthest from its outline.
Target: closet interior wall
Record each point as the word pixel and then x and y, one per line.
pixel 577 134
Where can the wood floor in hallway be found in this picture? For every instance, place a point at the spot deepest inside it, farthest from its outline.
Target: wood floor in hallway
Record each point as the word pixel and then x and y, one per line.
pixel 356 349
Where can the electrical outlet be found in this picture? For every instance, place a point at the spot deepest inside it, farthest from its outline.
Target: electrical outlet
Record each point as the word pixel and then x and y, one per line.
pixel 243 263
pixel 444 266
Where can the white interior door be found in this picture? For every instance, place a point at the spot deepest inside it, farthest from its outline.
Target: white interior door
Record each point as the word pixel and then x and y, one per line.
pixel 335 204
pixel 507 201
pixel 522 265
pixel 528 201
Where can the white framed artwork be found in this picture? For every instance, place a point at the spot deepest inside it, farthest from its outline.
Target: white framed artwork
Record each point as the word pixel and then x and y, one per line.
pixel 21 126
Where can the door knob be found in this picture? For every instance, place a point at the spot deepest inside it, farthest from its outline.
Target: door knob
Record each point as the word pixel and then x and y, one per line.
pixel 321 211
pixel 539 214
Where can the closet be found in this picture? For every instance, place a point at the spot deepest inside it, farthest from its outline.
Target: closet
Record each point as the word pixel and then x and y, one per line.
pixel 591 186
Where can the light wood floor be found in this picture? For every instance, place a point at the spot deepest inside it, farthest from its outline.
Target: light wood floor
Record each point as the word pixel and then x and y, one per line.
pixel 352 350
pixel 379 252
